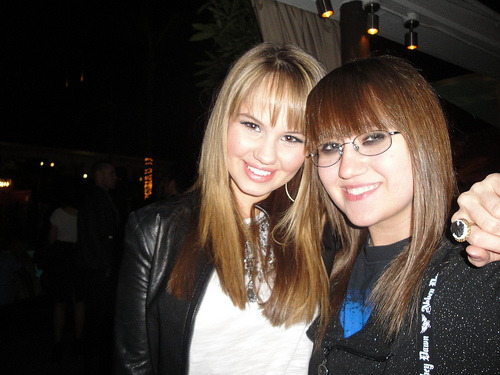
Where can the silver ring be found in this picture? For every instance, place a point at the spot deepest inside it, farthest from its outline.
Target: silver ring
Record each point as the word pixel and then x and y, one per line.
pixel 460 229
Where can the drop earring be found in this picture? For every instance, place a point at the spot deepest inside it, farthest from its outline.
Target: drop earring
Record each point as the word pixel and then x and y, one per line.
pixel 288 194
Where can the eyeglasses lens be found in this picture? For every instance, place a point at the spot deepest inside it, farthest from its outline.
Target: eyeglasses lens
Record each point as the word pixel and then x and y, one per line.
pixel 368 144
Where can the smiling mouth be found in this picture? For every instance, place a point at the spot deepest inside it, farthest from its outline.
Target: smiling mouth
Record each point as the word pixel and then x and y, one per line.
pixel 258 172
pixel 360 190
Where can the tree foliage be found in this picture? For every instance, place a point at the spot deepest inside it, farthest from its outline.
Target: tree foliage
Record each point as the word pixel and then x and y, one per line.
pixel 230 31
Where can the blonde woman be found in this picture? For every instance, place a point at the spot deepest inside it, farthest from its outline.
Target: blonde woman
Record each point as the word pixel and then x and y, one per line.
pixel 205 284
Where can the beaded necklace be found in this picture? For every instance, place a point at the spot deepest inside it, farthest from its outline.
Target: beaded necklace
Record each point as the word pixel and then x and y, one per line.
pixel 250 262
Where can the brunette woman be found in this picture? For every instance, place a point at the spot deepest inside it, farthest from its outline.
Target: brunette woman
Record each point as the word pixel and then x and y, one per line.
pixel 404 298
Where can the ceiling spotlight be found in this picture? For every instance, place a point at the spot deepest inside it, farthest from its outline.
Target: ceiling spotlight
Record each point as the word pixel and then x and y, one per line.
pixel 411 38
pixel 371 8
pixel 325 8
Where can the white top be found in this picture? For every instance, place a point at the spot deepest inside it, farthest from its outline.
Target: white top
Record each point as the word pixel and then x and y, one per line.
pixel 66 225
pixel 228 340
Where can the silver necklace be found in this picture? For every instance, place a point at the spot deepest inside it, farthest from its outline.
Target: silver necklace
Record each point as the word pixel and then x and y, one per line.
pixel 250 262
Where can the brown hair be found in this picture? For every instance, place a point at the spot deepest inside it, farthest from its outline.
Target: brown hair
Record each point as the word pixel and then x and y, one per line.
pixel 384 93
pixel 287 74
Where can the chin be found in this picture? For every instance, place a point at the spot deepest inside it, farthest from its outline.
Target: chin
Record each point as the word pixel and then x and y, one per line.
pixel 359 221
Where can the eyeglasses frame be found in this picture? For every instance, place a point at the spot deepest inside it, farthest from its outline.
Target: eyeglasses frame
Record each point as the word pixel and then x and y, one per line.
pixel 356 147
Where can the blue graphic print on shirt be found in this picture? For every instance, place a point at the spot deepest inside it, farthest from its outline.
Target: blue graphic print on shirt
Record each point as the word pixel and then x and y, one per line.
pixel 368 267
pixel 355 311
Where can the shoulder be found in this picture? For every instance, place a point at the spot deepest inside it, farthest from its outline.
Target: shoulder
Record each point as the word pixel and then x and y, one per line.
pixel 56 213
pixel 465 290
pixel 57 216
pixel 466 306
pixel 175 210
pixel 155 234
pixel 455 266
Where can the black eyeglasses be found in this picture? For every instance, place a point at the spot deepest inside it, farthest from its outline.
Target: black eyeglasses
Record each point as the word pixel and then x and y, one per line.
pixel 371 143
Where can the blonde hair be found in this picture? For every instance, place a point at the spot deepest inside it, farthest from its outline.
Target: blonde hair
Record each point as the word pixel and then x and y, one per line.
pixel 287 74
pixel 384 93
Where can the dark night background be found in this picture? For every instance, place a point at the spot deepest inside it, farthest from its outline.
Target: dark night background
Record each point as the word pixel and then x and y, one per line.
pixel 138 94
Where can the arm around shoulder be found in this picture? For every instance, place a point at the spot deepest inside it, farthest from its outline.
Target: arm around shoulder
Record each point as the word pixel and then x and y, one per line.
pixel 481 206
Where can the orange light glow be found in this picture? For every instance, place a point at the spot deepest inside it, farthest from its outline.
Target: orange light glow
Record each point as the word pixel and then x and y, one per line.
pixel 148 177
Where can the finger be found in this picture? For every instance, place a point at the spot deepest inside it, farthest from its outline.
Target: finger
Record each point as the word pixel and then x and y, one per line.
pixel 493 182
pixel 489 201
pixel 485 193
pixel 476 211
pixel 480 213
pixel 478 202
pixel 481 239
pixel 480 257
pixel 477 256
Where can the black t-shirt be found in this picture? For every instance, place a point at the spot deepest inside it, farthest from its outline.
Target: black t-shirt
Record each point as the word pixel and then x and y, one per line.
pixel 369 266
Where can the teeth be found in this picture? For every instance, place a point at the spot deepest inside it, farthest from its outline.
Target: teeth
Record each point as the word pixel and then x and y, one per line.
pixel 360 190
pixel 259 172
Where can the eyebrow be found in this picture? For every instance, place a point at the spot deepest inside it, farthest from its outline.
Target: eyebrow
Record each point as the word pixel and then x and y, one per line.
pixel 252 118
pixel 249 116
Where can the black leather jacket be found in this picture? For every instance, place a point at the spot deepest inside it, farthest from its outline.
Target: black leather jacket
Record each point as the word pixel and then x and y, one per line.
pixel 153 330
pixel 153 240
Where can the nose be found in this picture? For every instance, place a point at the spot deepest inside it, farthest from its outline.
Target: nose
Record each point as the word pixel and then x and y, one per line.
pixel 266 151
pixel 351 163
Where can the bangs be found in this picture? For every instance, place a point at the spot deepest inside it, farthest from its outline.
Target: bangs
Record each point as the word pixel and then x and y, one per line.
pixel 280 94
pixel 335 112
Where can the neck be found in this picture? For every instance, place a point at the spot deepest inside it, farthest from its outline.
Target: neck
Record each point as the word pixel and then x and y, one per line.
pixel 381 236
